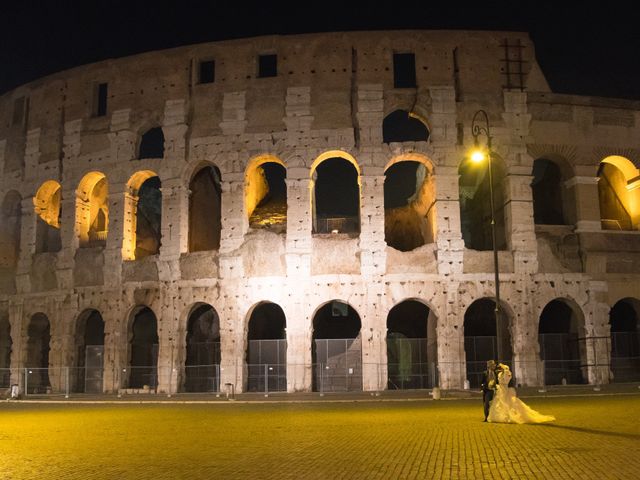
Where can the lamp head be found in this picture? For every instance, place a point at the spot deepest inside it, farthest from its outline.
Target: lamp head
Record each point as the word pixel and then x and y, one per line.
pixel 478 156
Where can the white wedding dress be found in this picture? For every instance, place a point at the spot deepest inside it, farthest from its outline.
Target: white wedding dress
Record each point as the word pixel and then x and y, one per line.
pixel 507 408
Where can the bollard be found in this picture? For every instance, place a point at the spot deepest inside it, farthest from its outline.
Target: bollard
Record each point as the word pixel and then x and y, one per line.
pixel 435 393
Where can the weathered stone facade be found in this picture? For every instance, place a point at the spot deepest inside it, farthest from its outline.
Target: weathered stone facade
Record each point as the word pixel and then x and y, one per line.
pixel 329 99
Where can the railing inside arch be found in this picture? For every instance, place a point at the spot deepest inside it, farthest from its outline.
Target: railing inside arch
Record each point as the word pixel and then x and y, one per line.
pixel 267 366
pixel 337 224
pixel 409 364
pixel 625 356
pixel 338 365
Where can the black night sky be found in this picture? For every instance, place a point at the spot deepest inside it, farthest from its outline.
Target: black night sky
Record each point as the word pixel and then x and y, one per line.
pixel 582 48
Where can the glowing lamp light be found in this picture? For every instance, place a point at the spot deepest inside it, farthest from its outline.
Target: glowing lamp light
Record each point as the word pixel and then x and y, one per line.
pixel 478 156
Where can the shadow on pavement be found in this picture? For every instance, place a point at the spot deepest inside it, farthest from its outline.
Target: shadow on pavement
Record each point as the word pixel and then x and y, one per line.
pixel 632 436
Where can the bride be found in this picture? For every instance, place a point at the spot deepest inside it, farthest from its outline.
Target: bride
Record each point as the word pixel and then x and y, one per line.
pixel 507 408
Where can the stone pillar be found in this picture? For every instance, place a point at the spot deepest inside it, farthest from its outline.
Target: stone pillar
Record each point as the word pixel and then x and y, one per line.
pixel 449 233
pixel 27 245
pixel 175 228
pixel 299 240
pixel 62 353
pixel 519 219
pixel 3 154
pixel 528 367
pixel 121 203
pixel 116 347
pixel 597 335
pixel 68 239
pixel 374 339
pixel 234 224
pixel 18 348
pixel 373 255
pixel 370 113
pixel 121 139
pixel 169 365
pixel 451 356
pixel 299 338
pixel 175 130
pixel 585 190
pixel 232 363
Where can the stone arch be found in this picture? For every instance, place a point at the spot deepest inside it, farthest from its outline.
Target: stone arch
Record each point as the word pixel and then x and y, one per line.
pixel 142 215
pixel 335 193
pixel 485 338
pixel 409 202
pixel 48 207
pixel 10 229
pixel 89 352
pixel 142 334
pixel 5 350
pixel 336 349
pixel 411 345
pixel 37 357
pixel 202 349
pixel 475 204
pixel 618 193
pixel 266 193
pixel 553 203
pixel 151 143
pixel 624 323
pixel 92 210
pixel 561 336
pixel 205 208
pixel 266 348
pixel 404 126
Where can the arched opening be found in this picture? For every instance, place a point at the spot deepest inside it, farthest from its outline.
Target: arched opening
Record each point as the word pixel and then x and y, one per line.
pixel 615 200
pixel 5 350
pixel 562 343
pixel 10 224
pixel 143 216
pixel 48 208
pixel 625 340
pixel 336 348
pixel 143 357
pixel 90 352
pixel 267 349
pixel 475 204
pixel 403 126
pixel 38 339
pixel 202 364
pixel 336 197
pixel 409 200
pixel 92 210
pixel 411 346
pixel 547 188
pixel 482 334
pixel 152 144
pixel 266 195
pixel 205 212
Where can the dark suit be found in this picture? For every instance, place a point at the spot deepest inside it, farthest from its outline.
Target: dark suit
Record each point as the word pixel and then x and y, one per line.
pixel 489 380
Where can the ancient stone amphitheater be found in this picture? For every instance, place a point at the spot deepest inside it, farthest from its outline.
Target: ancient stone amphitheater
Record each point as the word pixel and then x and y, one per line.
pixel 300 213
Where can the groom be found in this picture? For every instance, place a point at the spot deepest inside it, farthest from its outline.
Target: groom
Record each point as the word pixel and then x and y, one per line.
pixel 489 380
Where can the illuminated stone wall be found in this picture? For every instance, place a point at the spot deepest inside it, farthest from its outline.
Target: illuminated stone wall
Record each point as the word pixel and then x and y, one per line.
pixel 329 99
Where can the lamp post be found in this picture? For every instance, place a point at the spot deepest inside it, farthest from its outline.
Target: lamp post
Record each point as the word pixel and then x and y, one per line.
pixel 480 126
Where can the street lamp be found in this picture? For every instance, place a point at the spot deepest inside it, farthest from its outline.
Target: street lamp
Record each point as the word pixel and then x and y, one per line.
pixel 480 126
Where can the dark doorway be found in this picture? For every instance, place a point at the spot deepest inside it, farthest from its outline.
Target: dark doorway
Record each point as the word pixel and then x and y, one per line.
pixel 5 350
pixel 144 350
pixel 152 144
pixel 625 340
pixel 202 364
pixel 547 186
pixel 148 218
pixel 90 352
pixel 336 199
pixel 267 349
pixel 400 126
pixel 481 339
pixel 411 347
pixel 38 341
pixel 337 348
pixel 205 210
pixel 561 347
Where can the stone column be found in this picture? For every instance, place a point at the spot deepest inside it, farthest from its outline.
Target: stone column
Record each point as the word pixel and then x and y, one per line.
pixel 18 348
pixel 232 362
pixel 597 335
pixel 175 228
pixel 373 255
pixel 121 203
pixel 299 240
pixel 68 239
pixel 374 338
pixel 234 225
pixel 116 346
pixel 62 353
pixel 299 338
pixel 168 355
pixel 370 113
pixel 449 233
pixel 27 245
pixel 527 364
pixel 585 189
pixel 451 356
pixel 519 219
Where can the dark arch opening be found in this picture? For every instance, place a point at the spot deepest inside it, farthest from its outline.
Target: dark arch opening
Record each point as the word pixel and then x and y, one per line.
pixel 625 340
pixel 409 198
pixel 39 337
pixel 90 352
pixel 612 196
pixel 271 210
pixel 267 349
pixel 144 350
pixel 336 197
pixel 202 364
pixel 10 224
pixel 337 348
pixel 547 190
pixel 205 214
pixel 152 144
pixel 411 346
pixel 561 347
pixel 149 218
pixel 481 338
pixel 475 205
pixel 5 350
pixel 399 126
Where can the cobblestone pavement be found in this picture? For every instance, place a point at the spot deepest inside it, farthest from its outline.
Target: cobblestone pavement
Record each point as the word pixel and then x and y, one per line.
pixel 595 437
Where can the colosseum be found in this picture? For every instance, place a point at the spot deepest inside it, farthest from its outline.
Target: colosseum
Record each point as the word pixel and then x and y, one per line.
pixel 301 214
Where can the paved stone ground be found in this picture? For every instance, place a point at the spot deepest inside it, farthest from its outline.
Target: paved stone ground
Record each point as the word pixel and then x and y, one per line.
pixel 594 437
